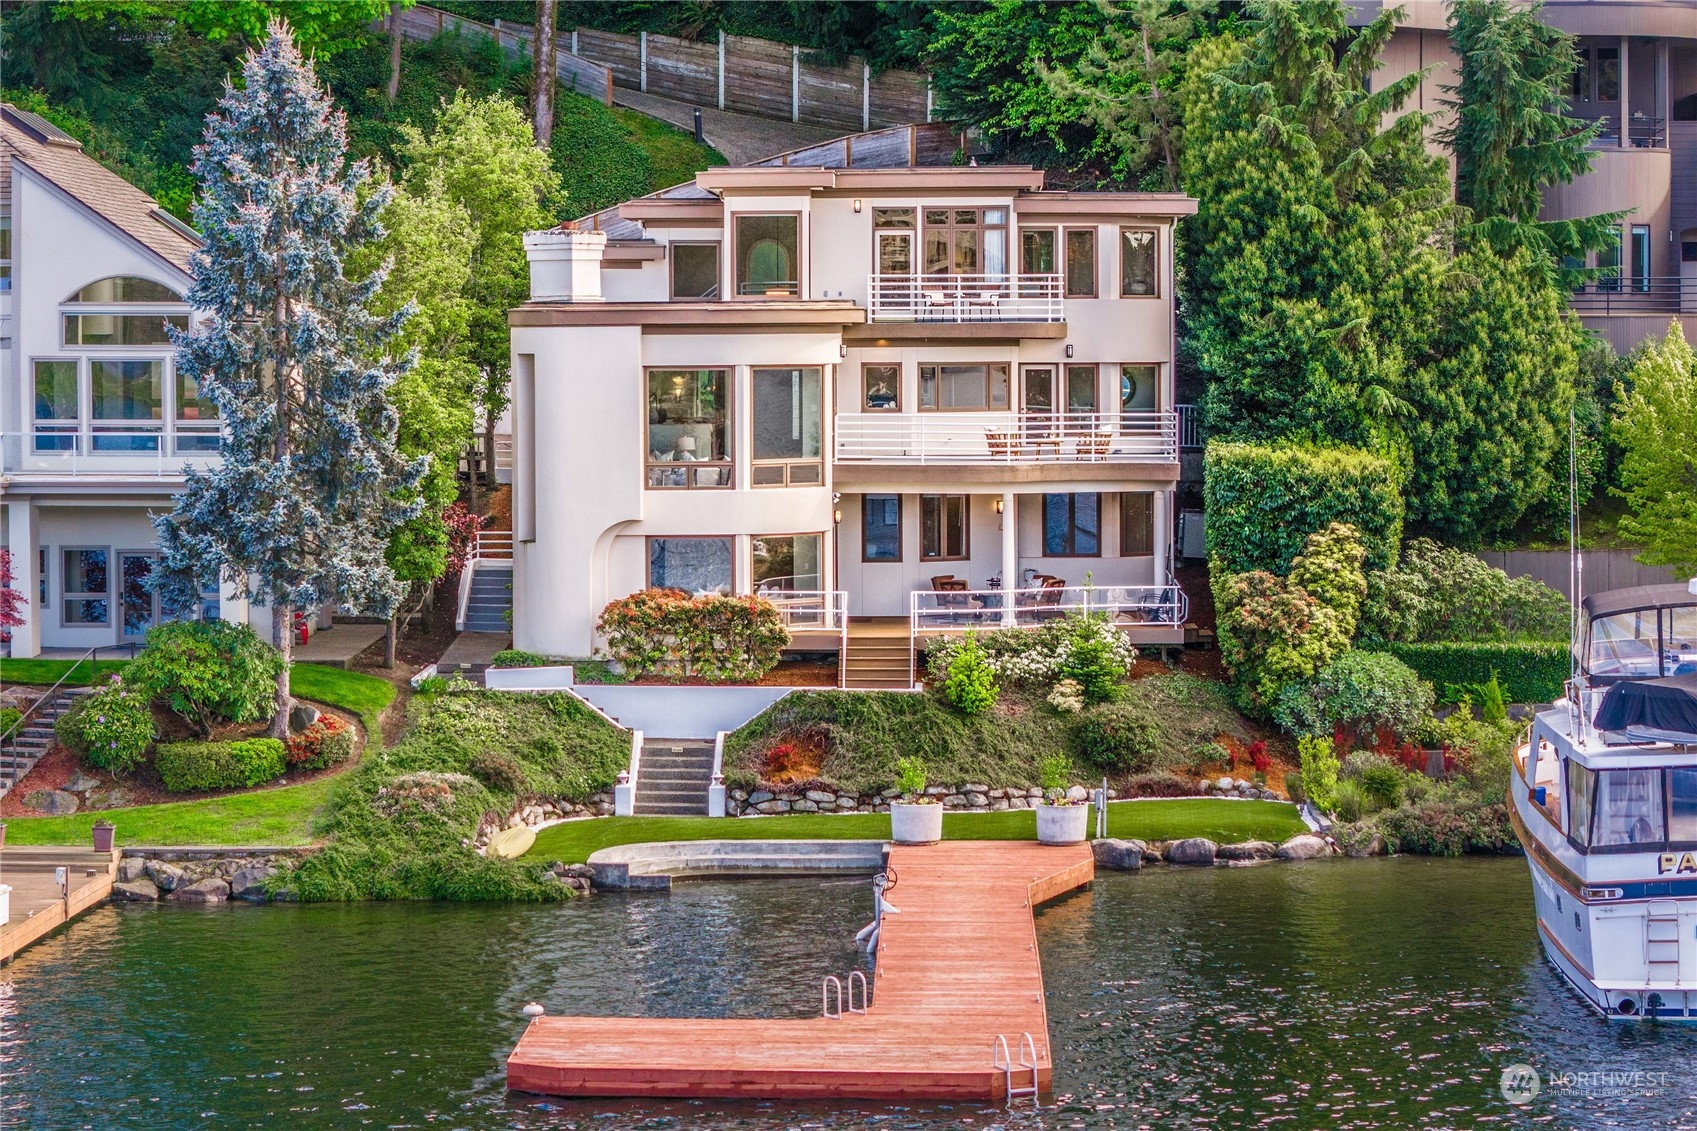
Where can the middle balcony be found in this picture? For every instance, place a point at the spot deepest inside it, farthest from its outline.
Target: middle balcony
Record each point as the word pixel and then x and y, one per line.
pixel 1006 439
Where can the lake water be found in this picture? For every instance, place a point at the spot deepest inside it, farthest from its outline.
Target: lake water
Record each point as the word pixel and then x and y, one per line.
pixel 1344 995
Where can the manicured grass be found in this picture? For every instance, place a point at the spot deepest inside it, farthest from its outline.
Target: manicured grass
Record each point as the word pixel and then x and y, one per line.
pixel 364 695
pixel 45 673
pixel 1223 821
pixel 267 816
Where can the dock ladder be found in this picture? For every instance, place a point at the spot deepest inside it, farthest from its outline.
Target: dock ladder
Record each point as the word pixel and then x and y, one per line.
pixel 1661 942
pixel 1003 1062
pixel 833 982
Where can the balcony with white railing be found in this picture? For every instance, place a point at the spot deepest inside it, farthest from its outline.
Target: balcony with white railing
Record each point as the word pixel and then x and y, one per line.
pixel 806 610
pixel 1147 612
pixel 1006 438
pixel 965 298
pixel 105 451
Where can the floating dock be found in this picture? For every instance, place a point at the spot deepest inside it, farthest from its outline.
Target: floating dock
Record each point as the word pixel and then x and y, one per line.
pixel 38 905
pixel 957 973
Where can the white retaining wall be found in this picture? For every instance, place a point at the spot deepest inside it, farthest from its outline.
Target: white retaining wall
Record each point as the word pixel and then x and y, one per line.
pixel 681 712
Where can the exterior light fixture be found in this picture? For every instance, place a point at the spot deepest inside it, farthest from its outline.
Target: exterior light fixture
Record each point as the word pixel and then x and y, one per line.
pixel 998 505
pixel 1069 349
pixel 837 516
pixel 857 204
pixel 842 350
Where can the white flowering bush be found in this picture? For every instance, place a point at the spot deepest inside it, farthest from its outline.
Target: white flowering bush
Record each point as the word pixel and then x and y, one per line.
pixel 1036 657
pixel 1067 697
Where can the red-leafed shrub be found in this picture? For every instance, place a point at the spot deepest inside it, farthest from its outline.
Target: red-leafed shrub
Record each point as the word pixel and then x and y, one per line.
pixel 327 742
pixel 715 638
pixel 1258 756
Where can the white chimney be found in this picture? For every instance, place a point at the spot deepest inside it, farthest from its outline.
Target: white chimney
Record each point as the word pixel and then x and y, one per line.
pixel 565 266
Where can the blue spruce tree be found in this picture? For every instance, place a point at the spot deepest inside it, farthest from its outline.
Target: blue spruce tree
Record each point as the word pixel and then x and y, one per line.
pixel 299 511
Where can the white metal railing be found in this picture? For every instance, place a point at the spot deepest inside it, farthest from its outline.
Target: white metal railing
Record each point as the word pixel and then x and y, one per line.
pixel 68 450
pixel 965 298
pixel 1002 1061
pixel 491 547
pixel 1006 437
pixel 1124 605
pixel 808 610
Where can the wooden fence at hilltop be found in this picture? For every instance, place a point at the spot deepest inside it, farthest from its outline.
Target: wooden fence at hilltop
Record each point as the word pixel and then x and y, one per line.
pixel 732 72
pixel 1604 569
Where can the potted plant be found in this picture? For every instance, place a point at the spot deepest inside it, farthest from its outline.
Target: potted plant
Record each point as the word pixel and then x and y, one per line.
pixel 1059 821
pixel 914 818
pixel 104 831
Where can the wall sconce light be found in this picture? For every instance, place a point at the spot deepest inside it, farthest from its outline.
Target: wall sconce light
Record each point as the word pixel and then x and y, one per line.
pixel 842 350
pixel 837 516
pixel 857 205
pixel 998 505
pixel 1069 349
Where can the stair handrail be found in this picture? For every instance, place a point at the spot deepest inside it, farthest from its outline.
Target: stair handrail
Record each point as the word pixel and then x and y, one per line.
pixel 716 780
pixel 865 997
pixel 51 693
pixel 825 996
pixel 1001 1060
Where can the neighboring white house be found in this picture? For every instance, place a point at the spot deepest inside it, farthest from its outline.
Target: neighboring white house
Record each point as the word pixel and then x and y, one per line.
pixel 96 424
pixel 836 381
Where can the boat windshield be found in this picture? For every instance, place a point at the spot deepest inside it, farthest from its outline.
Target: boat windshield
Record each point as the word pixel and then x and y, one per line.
pixel 1643 643
pixel 1629 808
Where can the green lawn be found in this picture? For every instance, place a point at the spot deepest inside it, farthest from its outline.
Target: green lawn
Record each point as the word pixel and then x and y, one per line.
pixel 1223 821
pixel 364 695
pixel 45 673
pixel 267 816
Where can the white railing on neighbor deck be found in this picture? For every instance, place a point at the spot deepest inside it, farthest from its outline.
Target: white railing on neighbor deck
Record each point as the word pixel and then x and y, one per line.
pixel 965 298
pixel 1006 437
pixel 491 547
pixel 65 450
pixel 1029 608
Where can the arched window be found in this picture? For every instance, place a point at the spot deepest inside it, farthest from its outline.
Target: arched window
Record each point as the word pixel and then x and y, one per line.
pixel 126 288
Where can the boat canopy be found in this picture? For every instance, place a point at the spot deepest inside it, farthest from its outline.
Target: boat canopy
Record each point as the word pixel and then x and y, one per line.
pixel 1656 710
pixel 1645 632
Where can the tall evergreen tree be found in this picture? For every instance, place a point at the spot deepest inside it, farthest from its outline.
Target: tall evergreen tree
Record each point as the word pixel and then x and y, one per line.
pixel 1510 136
pixel 299 510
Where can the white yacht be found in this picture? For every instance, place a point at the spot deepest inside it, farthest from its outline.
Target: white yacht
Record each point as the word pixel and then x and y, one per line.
pixel 1604 799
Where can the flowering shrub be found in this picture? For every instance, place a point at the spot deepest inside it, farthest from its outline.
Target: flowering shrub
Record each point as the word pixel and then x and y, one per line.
pixel 1258 756
pixel 190 767
pixel 719 639
pixel 421 793
pixel 327 742
pixel 462 527
pixel 110 729
pixel 1067 697
pixel 971 685
pixel 1039 657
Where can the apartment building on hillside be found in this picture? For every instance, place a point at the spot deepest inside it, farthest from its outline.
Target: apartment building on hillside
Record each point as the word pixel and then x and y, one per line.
pixel 1638 74
pixel 857 380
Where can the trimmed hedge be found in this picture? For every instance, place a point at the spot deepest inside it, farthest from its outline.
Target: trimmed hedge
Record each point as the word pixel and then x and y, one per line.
pixel 1529 671
pixel 1264 500
pixel 191 767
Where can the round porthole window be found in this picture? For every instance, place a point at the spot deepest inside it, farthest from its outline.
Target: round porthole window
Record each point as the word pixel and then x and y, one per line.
pixel 1626 1007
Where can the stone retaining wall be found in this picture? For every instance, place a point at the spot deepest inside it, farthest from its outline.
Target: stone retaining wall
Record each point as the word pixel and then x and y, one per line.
pixel 198 874
pixel 769 800
pixel 534 812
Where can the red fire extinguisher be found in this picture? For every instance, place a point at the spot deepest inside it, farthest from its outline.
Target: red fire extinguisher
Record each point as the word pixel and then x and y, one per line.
pixel 301 632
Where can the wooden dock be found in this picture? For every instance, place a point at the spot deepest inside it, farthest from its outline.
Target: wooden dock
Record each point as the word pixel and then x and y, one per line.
pixel 38 908
pixel 956 968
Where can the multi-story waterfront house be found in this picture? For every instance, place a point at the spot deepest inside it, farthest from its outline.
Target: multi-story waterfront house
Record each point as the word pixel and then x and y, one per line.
pixel 1637 74
pixel 857 379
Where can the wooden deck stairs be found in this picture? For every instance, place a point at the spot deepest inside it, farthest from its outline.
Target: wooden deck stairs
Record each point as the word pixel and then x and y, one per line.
pixel 878 653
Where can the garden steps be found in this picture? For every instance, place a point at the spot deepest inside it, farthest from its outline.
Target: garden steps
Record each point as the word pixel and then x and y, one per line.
pixel 490 604
pixel 877 653
pixel 19 756
pixel 673 778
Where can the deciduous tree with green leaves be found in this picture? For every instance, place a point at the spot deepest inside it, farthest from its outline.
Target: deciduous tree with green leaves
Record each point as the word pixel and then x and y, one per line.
pixel 322 27
pixel 482 153
pixel 1656 426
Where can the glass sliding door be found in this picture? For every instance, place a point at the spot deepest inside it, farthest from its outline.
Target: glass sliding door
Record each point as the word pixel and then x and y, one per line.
pixel 788 562
pixel 138 603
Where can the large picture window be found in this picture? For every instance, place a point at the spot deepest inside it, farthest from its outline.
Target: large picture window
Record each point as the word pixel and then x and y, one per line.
pixel 958 388
pixel 1037 251
pixel 56 403
pixel 128 404
pixel 689 441
pixel 695 270
pixel 768 255
pixel 695 565
pixel 1137 524
pixel 881 528
pixel 1139 262
pixel 788 563
pixel 789 427
pixel 966 241
pixel 197 417
pixel 943 527
pixel 881 388
pixel 1072 526
pixel 87 592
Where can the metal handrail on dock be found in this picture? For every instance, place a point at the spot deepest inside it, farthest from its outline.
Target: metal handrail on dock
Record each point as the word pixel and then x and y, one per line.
pixel 1002 1061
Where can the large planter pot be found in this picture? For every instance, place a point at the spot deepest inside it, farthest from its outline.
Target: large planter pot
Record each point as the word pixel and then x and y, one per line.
pixel 916 824
pixel 103 835
pixel 1062 824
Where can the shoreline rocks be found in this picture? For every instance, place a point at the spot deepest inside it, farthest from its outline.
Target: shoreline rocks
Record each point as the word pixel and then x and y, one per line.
pixel 201 874
pixel 1117 855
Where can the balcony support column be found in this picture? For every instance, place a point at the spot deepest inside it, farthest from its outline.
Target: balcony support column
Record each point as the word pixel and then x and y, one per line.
pixel 1010 555
pixel 21 540
pixel 1625 94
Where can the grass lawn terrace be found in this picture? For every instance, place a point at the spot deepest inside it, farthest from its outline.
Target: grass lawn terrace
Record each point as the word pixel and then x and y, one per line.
pixel 1226 822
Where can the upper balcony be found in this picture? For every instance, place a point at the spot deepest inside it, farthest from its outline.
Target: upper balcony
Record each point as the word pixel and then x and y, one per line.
pixel 1060 445
pixel 959 299
pixel 108 451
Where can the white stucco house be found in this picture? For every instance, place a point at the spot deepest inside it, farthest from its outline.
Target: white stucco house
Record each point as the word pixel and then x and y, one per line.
pixel 97 425
pixel 859 379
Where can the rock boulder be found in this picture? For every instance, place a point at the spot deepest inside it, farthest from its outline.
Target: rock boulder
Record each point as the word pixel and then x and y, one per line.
pixel 249 883
pixel 203 891
pixel 135 891
pixel 53 802
pixel 1249 850
pixel 1307 846
pixel 1196 852
pixel 166 875
pixel 1118 855
pixel 301 716
pixel 1370 846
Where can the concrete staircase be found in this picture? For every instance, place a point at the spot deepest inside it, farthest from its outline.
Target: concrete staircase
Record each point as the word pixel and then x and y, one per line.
pixel 674 777
pixel 19 754
pixel 491 600
pixel 877 653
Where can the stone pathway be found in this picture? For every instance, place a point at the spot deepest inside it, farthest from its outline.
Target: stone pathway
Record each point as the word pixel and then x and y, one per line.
pixel 742 138
pixel 474 650
pixel 337 646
